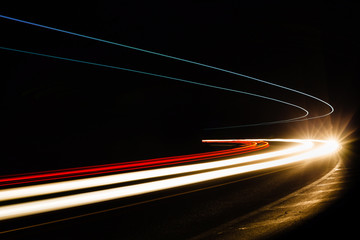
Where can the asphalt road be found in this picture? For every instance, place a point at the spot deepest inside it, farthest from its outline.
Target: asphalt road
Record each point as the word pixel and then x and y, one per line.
pixel 172 214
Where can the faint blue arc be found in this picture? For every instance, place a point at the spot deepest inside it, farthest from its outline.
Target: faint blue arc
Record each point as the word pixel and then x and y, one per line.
pixel 157 75
pixel 192 62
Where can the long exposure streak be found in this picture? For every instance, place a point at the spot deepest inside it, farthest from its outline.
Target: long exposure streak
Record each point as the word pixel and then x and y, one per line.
pixel 175 176
pixel 120 167
pixel 41 192
pixel 175 79
pixel 303 117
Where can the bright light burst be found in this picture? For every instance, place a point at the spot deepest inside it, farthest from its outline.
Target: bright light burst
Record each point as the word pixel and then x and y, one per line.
pixel 176 176
pixel 156 175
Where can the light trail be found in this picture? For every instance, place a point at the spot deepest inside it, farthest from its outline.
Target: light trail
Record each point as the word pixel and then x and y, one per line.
pixel 49 188
pixel 153 175
pixel 175 79
pixel 301 118
pixel 127 166
pixel 304 150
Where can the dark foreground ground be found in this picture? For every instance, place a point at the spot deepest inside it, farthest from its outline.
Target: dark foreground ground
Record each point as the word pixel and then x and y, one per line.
pixel 339 219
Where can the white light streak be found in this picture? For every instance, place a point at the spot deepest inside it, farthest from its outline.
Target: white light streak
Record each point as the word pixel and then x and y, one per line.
pixel 49 188
pixel 310 149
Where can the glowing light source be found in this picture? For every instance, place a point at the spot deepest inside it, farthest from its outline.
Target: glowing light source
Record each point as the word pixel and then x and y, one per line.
pixel 306 149
pixel 171 177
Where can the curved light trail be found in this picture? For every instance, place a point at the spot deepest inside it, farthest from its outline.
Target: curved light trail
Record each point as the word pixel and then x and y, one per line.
pixel 159 178
pixel 127 166
pixel 301 118
pixel 35 193
pixel 171 78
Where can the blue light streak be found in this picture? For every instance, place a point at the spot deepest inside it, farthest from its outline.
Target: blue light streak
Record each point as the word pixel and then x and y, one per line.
pixel 178 79
pixel 160 76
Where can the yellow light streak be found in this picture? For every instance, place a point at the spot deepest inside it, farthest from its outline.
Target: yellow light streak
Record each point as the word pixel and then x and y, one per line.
pixel 49 188
pixel 313 149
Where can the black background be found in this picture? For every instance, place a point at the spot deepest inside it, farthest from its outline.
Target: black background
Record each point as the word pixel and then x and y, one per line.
pixel 61 114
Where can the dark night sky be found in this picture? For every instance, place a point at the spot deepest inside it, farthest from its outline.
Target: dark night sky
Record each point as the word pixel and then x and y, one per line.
pixel 62 114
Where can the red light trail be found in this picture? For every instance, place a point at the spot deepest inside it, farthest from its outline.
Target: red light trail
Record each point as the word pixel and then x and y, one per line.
pixel 128 166
pixel 161 178
pixel 38 192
